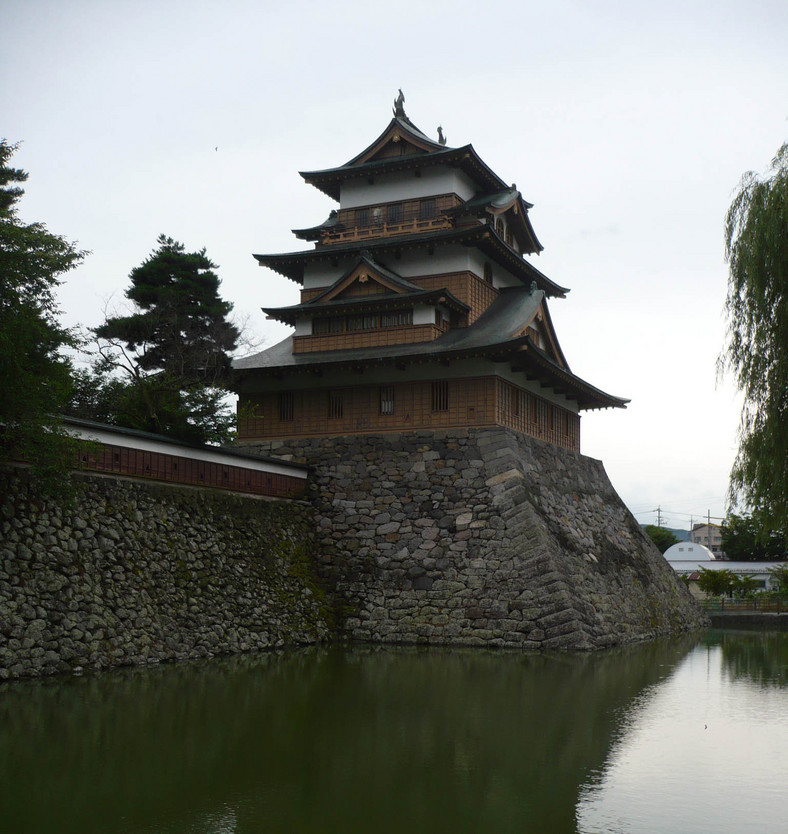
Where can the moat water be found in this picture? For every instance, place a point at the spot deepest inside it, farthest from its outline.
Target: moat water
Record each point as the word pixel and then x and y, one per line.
pixel 682 736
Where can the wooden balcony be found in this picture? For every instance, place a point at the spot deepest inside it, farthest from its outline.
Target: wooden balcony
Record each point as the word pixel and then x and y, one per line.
pixel 405 227
pixel 405 217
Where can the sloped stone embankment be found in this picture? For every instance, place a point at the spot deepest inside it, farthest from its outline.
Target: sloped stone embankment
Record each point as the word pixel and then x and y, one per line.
pixel 484 537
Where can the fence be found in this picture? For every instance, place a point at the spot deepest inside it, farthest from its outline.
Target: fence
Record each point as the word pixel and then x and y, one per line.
pixel 766 606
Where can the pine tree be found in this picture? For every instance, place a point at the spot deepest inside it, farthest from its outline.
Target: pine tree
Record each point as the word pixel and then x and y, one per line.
pixel 174 349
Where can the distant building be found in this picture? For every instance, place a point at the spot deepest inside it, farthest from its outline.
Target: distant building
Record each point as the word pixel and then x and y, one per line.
pixel 709 535
pixel 688 552
pixel 688 559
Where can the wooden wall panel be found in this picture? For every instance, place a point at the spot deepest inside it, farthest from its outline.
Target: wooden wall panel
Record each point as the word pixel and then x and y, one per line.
pixel 471 402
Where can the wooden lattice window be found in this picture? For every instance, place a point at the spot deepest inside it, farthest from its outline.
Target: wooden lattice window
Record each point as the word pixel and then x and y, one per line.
pixel 427 209
pixel 362 217
pixel 488 273
pixel 397 318
pixel 395 213
pixel 440 395
pixel 362 322
pixel 323 325
pixel 336 405
pixel 286 406
pixel 386 399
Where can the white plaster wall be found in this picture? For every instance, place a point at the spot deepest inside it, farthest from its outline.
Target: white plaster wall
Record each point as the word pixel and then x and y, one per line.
pixel 423 314
pixel 303 327
pixel 414 263
pixel 406 186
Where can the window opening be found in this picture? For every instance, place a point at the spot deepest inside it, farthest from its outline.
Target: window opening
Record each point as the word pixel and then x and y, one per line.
pixel 440 395
pixel 286 406
pixel 386 399
pixel 335 404
pixel 427 209
pixel 397 318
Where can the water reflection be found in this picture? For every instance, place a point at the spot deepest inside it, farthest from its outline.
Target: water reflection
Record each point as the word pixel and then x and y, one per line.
pixel 758 657
pixel 320 741
pixel 703 751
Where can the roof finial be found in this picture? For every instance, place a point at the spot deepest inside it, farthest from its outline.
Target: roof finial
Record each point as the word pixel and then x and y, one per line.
pixel 441 137
pixel 399 108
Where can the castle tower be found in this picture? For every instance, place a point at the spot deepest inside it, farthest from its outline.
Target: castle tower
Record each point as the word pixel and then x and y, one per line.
pixel 419 307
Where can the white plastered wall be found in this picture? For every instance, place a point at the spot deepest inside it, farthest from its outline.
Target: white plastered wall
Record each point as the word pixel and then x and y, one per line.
pixel 406 186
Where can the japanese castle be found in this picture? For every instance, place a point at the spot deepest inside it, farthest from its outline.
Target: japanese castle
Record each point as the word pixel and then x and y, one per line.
pixel 419 307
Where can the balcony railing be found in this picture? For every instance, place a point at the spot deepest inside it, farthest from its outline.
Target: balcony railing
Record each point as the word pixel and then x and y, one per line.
pixel 385 229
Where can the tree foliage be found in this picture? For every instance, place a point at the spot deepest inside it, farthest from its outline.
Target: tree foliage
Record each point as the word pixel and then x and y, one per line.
pixel 161 368
pixel 661 537
pixel 779 575
pixel 747 538
pixel 716 583
pixel 35 377
pixel 756 351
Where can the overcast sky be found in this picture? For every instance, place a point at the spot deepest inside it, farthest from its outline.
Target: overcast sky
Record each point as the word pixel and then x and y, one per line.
pixel 628 125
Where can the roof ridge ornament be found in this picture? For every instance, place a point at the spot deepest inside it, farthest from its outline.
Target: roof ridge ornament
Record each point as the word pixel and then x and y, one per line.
pixel 399 106
pixel 441 137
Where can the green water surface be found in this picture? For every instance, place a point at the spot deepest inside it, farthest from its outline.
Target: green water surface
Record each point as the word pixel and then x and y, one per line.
pixel 645 739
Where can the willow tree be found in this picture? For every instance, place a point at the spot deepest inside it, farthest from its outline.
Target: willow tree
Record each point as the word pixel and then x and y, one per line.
pixel 756 351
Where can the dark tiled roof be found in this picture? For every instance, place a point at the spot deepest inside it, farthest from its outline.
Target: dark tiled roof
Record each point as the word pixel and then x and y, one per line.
pixel 492 335
pixel 328 180
pixel 291 264
pixel 381 301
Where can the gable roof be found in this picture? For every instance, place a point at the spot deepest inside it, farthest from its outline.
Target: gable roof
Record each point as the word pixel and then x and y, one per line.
pixel 508 202
pixel 400 128
pixel 401 293
pixel 385 276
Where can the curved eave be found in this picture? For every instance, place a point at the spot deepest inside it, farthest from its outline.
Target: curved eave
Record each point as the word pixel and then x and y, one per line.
pixel 500 251
pixel 564 381
pixel 291 264
pixel 368 303
pixel 329 180
pixel 394 355
pixel 519 352
pixel 314 232
pixel 499 204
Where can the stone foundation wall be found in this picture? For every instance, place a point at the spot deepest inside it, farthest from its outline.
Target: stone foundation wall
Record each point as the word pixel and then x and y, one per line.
pixel 134 573
pixel 483 537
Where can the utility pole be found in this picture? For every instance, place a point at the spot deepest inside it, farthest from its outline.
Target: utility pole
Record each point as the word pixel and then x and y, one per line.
pixel 659 517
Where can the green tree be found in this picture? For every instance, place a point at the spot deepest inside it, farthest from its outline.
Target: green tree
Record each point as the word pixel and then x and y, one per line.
pixel 779 575
pixel 744 586
pixel 746 538
pixel 661 537
pixel 756 350
pixel 35 377
pixel 716 583
pixel 162 367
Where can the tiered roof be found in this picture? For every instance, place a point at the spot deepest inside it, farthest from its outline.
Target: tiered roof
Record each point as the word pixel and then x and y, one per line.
pixel 504 332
